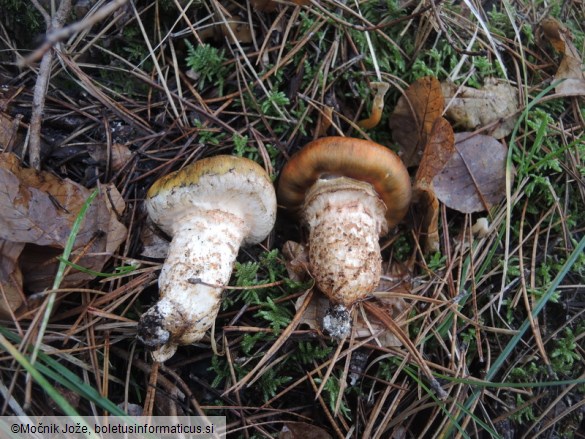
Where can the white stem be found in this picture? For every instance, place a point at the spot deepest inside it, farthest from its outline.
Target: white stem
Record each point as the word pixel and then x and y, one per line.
pixel 345 218
pixel 204 247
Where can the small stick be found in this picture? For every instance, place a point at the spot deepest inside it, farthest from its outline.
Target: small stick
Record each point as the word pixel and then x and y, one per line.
pixel 40 91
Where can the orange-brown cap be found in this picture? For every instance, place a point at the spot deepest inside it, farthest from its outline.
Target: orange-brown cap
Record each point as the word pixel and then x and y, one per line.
pixel 359 159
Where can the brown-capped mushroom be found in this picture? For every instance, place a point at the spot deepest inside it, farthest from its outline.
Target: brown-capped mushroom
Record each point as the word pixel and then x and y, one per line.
pixel 348 192
pixel 210 209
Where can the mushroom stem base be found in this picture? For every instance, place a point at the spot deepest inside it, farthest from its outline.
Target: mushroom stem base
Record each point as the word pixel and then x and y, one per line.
pixel 204 247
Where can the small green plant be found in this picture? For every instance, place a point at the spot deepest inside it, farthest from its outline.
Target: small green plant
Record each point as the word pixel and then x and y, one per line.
pixel 208 136
pixel 308 352
pixel 243 148
pixel 331 391
pixel 274 99
pixel 565 353
pixel 208 63
pixel 276 315
pixel 221 369
pixel 271 381
pixel 250 340
pixel 525 413
pixel 437 261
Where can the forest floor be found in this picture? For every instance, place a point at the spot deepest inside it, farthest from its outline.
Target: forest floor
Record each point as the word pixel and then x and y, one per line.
pixel 476 328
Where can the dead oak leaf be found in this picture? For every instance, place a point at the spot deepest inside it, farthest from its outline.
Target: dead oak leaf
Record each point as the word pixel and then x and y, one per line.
pixel 117 156
pixel 11 295
pixel 39 209
pixel 474 178
pixel 437 153
pixel 470 108
pixel 302 430
pixel 413 118
pixel 438 150
pixel 571 68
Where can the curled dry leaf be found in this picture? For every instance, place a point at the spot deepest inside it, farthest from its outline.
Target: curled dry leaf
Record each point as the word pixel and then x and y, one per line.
pixel 8 131
pixel 154 245
pixel 11 295
pixel 302 430
pixel 474 178
pixel 438 151
pixel 118 156
pixel 324 122
pixel 38 208
pixel 296 260
pixel 8 125
pixel 217 32
pixel 393 306
pixel 227 25
pixel 571 67
pixel 471 108
pixel 413 118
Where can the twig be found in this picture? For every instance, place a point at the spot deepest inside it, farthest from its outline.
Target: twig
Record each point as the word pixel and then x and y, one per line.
pixel 40 90
pixel 57 34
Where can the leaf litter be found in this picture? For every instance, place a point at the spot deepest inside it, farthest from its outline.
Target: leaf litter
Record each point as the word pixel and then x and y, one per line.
pixel 474 179
pixel 412 119
pixel 571 68
pixel 37 211
pixel 470 108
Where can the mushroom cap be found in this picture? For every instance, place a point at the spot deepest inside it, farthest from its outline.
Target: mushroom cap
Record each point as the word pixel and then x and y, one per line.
pixel 358 159
pixel 234 185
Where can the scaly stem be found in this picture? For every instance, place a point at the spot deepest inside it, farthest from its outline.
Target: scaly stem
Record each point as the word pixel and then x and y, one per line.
pixel 204 247
pixel 345 218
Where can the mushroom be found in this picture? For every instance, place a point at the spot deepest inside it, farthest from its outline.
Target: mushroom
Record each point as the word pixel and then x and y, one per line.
pixel 348 192
pixel 210 209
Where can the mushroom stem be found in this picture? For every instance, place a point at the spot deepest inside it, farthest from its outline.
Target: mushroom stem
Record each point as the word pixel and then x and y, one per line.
pixel 345 219
pixel 204 246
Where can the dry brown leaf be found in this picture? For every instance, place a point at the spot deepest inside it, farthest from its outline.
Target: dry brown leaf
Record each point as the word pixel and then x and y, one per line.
pixel 38 208
pixel 474 178
pixel 154 245
pixel 296 258
pixel 413 118
pixel 8 125
pixel 218 31
pixel 571 69
pixel 324 122
pixel 8 130
pixel 302 430
pixel 11 295
pixel 120 154
pixel 437 153
pixel 471 108
pixel 394 307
